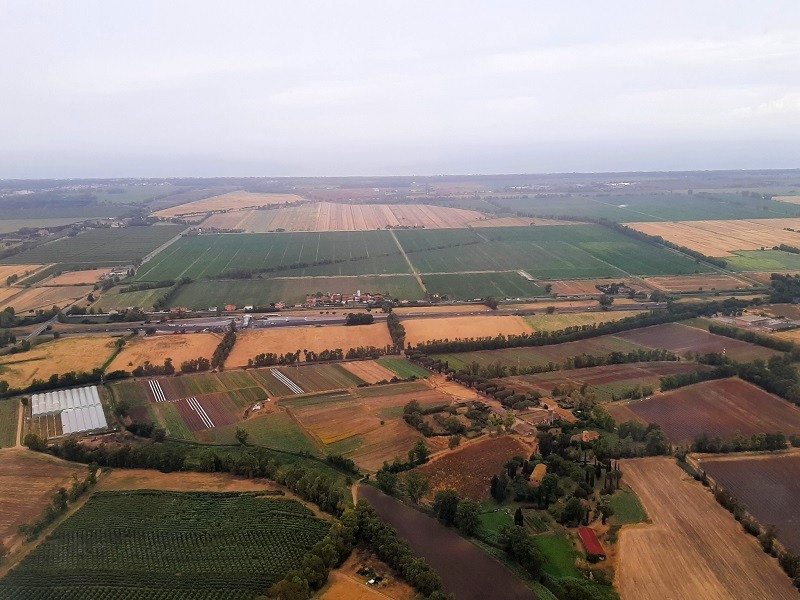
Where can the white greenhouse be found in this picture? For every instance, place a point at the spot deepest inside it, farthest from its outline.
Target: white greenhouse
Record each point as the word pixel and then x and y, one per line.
pixel 80 408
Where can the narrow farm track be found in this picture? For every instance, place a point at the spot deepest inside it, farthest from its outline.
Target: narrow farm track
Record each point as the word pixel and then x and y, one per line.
pixel 694 549
pixel 408 261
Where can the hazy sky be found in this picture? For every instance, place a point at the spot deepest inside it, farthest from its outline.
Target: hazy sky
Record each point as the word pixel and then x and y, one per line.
pixel 167 88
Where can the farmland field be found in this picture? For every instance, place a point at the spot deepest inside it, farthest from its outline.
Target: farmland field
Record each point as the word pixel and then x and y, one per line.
pixel 260 292
pixel 44 298
pixel 478 326
pixel 405 369
pixel 85 277
pixel 604 381
pixel 467 286
pixel 229 201
pixel 653 207
pixel 363 252
pixel 99 246
pixel 157 348
pixel 557 252
pixel 556 321
pixel 8 422
pixel 721 408
pixel 79 353
pixel 588 287
pixel 469 470
pixel 28 481
pixel 280 341
pixel 698 552
pixel 682 339
pixel 474 576
pixel 275 430
pixel 169 545
pixel 763 260
pixel 693 283
pixel 766 485
pixel 370 371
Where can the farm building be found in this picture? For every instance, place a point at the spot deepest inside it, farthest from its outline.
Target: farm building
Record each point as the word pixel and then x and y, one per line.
pixel 585 437
pixel 591 543
pixel 539 471
pixel 79 409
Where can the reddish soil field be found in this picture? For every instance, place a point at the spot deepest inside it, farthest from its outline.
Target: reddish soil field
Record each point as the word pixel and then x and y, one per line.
pixel 768 485
pixel 719 408
pixel 682 339
pixel 469 470
pixel 465 569
pixel 190 416
pixel 216 409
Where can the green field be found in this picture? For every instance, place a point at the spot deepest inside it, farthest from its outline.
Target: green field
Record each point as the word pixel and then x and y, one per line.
pixel 492 522
pixel 627 508
pixel 261 292
pixel 99 246
pixel 171 545
pixel 654 207
pixel 559 555
pixel 557 252
pixel 363 252
pixel 480 285
pixel 275 430
pixel 8 422
pixel 404 368
pixel 763 260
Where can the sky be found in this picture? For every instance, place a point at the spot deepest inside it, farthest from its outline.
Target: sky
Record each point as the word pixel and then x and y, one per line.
pixel 194 88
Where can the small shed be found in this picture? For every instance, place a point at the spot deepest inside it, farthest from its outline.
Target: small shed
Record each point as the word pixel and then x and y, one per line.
pixel 591 543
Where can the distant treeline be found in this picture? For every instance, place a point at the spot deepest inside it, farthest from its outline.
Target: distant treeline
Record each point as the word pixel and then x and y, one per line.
pixel 152 285
pixel 752 337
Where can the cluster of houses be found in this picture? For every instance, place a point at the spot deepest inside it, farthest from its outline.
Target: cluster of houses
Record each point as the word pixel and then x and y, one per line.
pixel 337 299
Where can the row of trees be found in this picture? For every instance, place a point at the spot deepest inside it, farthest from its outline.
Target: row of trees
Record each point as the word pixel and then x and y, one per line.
pixel 223 349
pixel 752 337
pixel 396 330
pixel 359 319
pixel 195 365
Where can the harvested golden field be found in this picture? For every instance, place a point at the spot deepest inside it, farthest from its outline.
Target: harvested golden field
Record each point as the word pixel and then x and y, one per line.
pixel 792 334
pixel 422 330
pixel 370 371
pixel 693 283
pixel 34 298
pixel 694 547
pixel 78 353
pixel 720 238
pixel 20 271
pixel 146 479
pixel 345 583
pixel 28 481
pixel 179 347
pixel 316 339
pixel 765 277
pixel 327 216
pixel 230 201
pixel 790 311
pixel 431 310
pixel 88 277
pixel 789 199
pixel 558 321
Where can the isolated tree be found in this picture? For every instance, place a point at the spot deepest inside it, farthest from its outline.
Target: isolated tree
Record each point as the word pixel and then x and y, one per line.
pixel 419 453
pixel 417 486
pixel 387 481
pixel 519 519
pixel 445 505
pixel 468 517
pixel 606 300
pixel 454 441
pixel 242 435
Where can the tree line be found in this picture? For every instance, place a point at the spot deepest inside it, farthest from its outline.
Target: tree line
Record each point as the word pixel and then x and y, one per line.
pixel 223 349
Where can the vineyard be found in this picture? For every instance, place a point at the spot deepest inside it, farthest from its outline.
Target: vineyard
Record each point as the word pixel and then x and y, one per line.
pixel 155 544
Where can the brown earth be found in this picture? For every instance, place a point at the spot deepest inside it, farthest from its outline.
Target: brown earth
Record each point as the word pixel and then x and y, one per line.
pixel 45 298
pixel 469 470
pixel 721 408
pixel 88 277
pixel 230 201
pixel 7 271
pixel 283 340
pixel 694 548
pixel 179 347
pixel 692 283
pixel 370 371
pixel 345 583
pixel 422 330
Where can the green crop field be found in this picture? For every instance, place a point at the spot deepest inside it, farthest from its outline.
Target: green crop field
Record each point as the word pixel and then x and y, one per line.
pixel 557 252
pixel 480 285
pixel 99 246
pixel 559 555
pixel 763 260
pixel 275 430
pixel 404 368
pixel 261 292
pixel 364 252
pixel 8 422
pixel 654 207
pixel 172 545
pixel 627 508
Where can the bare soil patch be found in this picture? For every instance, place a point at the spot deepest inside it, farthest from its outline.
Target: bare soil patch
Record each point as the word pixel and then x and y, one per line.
pixel 88 277
pixel 422 330
pixel 316 339
pixel 369 370
pixel 694 547
pixel 145 479
pixel 693 283
pixel 179 347
pixel 346 584
pixel 230 201
pixel 42 297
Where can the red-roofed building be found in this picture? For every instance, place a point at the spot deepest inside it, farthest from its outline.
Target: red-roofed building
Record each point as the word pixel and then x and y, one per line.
pixel 591 543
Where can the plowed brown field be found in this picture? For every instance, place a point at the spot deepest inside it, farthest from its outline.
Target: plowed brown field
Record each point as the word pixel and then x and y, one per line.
pixel 694 549
pixel 693 283
pixel 230 201
pixel 369 370
pixel 178 347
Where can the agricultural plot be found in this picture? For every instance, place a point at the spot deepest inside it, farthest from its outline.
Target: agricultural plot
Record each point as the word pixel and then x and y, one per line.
pixel 114 299
pixel 79 353
pixel 469 470
pixel 452 328
pixel 274 429
pixel 766 484
pixel 8 422
pixel 155 349
pixel 169 545
pixel 697 552
pixel 370 371
pixel 694 283
pixel 85 277
pixel 683 339
pixel 557 321
pixel 351 253
pixel 300 379
pixel 45 298
pixel 558 252
pixel 721 408
pixel 249 343
pixel 653 207
pixel 763 260
pixel 588 287
pixel 405 369
pixel 226 202
pixel 604 382
pixel 290 290
pixel 721 238
pixel 99 246
pixel 468 286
